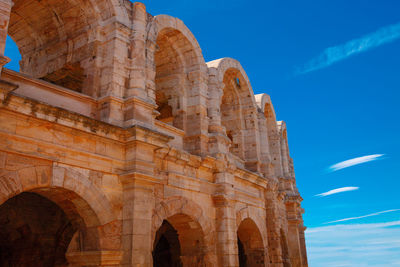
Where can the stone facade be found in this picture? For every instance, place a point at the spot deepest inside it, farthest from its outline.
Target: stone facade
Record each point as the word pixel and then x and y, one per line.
pixel 121 146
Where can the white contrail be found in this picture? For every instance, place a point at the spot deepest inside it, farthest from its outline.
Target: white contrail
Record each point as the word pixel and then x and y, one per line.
pixel 355 161
pixel 364 216
pixel 337 53
pixel 338 190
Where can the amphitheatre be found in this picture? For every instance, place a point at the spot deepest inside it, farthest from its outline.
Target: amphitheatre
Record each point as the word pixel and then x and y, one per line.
pixel 121 146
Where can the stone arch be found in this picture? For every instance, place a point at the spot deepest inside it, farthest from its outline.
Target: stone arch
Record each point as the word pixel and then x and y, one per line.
pixel 285 156
pixel 177 78
pixel 86 207
pixel 161 23
pixel 249 213
pixel 58 40
pixel 196 235
pixel 252 250
pixel 265 105
pixel 240 119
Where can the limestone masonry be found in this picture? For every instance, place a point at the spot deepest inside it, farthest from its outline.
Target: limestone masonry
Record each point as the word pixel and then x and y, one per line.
pixel 121 146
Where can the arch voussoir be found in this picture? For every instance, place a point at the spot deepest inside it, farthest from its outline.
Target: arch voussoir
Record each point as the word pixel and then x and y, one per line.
pixel 24 174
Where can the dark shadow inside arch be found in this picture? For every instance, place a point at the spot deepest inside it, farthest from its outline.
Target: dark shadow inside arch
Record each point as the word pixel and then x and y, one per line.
pixel 34 231
pixel 43 228
pixel 231 117
pixel 170 79
pixel 167 250
pixel 179 242
pixel 250 245
pixel 242 254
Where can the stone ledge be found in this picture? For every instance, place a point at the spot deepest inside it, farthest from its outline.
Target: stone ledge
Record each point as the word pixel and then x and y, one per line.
pixel 94 258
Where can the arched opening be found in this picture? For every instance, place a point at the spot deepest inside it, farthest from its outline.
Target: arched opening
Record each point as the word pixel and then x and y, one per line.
pixel 179 242
pixel 273 139
pixel 231 113
pixel 37 231
pixel 172 62
pixel 239 117
pixel 251 249
pixel 167 250
pixel 57 40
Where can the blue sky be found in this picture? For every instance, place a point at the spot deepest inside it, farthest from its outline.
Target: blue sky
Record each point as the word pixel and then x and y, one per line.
pixel 332 69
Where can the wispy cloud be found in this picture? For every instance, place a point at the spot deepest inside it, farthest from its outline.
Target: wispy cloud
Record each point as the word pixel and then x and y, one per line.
pixel 337 53
pixel 369 244
pixel 355 161
pixel 364 216
pixel 338 190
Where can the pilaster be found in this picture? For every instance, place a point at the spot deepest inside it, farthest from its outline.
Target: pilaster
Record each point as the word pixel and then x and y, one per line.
pixel 294 221
pixel 138 194
pixel 273 221
pixel 138 107
pixel 218 141
pixel 227 249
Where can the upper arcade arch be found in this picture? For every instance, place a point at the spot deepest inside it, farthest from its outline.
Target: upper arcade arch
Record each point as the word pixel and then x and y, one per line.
pixel 265 105
pixel 234 108
pixel 162 22
pixel 59 41
pixel 176 79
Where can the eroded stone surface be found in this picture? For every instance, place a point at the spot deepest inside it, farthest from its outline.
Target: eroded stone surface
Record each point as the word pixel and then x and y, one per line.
pixel 146 151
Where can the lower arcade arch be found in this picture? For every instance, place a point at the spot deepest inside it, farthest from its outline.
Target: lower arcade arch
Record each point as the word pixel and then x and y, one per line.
pixel 48 227
pixel 179 242
pixel 251 250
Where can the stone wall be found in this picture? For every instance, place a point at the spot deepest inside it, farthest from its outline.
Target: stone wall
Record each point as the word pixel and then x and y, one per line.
pixel 142 152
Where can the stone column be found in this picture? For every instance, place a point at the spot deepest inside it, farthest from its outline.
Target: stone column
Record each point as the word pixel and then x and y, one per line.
pixel 227 249
pixel 138 106
pixel 138 195
pixel 272 199
pixel 265 167
pixel 111 60
pixel 197 121
pixel 138 199
pixel 137 53
pixel 215 93
pixel 5 11
pixel 218 142
pixel 294 221
pixel 285 158
pixel 294 243
pixel 303 248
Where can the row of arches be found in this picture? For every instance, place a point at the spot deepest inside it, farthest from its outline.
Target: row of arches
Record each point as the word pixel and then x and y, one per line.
pixel 54 215
pixel 205 98
pixel 68 44
pixel 50 225
pixel 179 242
